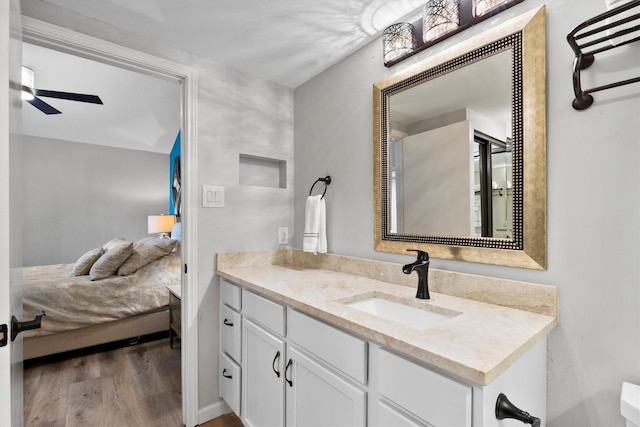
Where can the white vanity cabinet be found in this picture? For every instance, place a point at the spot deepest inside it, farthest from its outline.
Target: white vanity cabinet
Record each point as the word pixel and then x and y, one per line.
pixel 296 371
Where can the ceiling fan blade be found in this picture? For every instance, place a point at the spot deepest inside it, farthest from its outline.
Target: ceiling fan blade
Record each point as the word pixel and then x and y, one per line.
pixel 43 106
pixel 92 99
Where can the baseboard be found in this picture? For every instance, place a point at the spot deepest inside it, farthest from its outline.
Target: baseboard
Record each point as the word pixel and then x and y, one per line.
pixel 213 411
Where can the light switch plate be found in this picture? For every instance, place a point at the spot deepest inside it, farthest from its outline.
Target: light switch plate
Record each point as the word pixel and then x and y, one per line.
pixel 212 196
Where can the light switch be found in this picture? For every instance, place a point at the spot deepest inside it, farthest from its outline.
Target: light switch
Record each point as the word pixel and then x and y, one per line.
pixel 212 196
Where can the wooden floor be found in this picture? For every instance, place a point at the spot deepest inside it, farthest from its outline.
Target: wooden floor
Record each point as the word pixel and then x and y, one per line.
pixel 135 386
pixel 229 420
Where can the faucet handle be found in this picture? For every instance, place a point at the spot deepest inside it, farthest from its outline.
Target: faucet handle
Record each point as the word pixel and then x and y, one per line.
pixel 422 255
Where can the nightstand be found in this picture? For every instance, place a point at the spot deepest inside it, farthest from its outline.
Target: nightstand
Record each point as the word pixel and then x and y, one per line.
pixel 175 313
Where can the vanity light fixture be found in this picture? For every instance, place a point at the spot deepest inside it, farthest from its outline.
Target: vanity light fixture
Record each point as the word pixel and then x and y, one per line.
pixel 160 224
pixel 398 40
pixel 28 84
pixel 438 18
pixel 481 7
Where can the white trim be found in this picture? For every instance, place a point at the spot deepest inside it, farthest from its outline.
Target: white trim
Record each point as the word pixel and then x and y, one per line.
pixel 51 36
pixel 214 410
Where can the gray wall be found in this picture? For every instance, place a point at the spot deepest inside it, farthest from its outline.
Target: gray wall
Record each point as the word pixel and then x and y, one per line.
pixel 239 114
pixel 78 196
pixel 593 205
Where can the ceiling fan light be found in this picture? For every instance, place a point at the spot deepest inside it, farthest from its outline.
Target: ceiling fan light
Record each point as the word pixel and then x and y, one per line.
pixel 28 83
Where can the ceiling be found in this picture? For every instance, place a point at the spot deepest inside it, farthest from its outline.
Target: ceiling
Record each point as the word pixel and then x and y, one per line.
pixel 286 41
pixel 139 112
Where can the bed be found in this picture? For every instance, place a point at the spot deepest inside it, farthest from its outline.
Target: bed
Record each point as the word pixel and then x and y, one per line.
pixel 115 292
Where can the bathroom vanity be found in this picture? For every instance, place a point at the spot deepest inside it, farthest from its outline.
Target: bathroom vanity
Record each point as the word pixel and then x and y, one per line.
pixel 301 343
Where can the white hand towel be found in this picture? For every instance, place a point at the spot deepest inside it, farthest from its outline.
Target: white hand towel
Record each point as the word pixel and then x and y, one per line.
pixel 322 229
pixel 315 234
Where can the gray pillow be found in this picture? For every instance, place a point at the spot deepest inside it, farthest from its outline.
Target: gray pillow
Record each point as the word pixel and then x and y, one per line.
pixel 108 264
pixel 113 243
pixel 145 251
pixel 86 261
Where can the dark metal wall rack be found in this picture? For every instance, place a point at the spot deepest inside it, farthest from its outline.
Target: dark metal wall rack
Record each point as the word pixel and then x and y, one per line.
pixel 595 36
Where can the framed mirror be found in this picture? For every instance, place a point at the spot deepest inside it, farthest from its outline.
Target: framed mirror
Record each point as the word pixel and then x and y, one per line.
pixel 460 150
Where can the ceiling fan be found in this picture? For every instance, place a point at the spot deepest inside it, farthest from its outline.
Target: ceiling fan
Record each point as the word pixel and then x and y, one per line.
pixel 31 94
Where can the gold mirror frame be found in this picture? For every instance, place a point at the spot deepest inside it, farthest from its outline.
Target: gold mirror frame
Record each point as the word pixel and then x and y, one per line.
pixel 528 247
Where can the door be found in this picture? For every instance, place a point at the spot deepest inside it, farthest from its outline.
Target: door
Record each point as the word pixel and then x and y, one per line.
pixel 10 227
pixel 262 402
pixel 317 397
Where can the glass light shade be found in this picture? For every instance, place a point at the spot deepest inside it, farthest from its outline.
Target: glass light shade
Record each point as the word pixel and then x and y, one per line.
pixel 439 17
pixel 397 41
pixel 480 7
pixel 160 223
pixel 28 82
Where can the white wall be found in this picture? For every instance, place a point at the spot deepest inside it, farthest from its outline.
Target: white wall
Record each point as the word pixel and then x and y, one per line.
pixel 593 205
pixel 79 196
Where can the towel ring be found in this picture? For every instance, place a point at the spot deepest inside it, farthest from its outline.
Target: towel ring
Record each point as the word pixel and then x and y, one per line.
pixel 326 180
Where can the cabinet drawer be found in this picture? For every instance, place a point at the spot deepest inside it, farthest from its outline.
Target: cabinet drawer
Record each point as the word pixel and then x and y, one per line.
pixel 230 294
pixel 229 382
pixel 268 313
pixel 230 332
pixel 430 396
pixel 339 349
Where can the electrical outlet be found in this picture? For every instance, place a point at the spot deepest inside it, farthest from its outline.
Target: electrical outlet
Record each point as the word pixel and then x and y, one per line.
pixel 283 235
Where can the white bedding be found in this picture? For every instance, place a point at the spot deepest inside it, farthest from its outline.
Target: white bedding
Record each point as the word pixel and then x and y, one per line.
pixel 77 302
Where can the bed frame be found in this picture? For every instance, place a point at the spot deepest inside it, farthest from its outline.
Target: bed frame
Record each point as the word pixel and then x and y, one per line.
pixel 131 327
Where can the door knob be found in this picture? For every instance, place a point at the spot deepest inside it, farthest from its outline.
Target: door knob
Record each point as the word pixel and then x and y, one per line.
pixel 17 326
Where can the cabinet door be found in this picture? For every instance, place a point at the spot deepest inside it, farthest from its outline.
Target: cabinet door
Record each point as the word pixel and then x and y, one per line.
pixel 262 379
pixel 316 397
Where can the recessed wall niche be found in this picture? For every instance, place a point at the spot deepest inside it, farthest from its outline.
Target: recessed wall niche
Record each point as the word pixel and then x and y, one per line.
pixel 262 171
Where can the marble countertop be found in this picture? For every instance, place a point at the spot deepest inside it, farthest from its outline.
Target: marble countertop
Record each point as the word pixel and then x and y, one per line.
pixel 479 341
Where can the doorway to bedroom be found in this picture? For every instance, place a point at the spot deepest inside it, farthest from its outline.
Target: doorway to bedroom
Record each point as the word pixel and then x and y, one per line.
pixel 93 173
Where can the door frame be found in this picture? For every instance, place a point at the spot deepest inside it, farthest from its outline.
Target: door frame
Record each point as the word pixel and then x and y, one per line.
pixel 51 36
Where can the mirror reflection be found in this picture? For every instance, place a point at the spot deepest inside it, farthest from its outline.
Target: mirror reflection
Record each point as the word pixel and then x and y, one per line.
pixel 450 153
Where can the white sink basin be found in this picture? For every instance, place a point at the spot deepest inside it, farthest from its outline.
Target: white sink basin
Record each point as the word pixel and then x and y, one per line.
pixel 400 313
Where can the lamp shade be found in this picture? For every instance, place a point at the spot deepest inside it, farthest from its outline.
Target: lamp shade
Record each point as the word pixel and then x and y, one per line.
pixel 160 223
